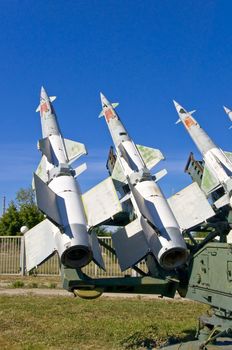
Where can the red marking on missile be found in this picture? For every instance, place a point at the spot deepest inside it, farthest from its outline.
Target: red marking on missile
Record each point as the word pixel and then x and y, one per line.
pixel 44 107
pixel 109 114
pixel 189 122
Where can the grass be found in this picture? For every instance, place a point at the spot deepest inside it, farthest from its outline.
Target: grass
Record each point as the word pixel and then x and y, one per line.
pixel 8 281
pixel 55 323
pixel 18 284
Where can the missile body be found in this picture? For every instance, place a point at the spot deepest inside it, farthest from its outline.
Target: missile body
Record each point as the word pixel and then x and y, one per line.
pixel 218 164
pixel 58 197
pixel 155 224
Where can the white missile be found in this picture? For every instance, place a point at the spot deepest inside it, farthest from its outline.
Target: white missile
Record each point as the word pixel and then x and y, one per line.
pixel 218 163
pixel 58 196
pixel 229 113
pixel 155 229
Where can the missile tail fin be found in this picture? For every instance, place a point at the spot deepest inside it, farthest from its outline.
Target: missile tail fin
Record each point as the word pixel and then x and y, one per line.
pixel 39 244
pixel 146 208
pixel 74 149
pixel 130 244
pixel 47 200
pixel 97 255
pixel 151 156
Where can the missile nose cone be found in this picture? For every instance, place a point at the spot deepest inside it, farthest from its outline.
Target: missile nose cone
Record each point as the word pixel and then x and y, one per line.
pixel 43 94
pixel 175 104
pixel 227 110
pixel 179 108
pixel 104 100
pixel 102 96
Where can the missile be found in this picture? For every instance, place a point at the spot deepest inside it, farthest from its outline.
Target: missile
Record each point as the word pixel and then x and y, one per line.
pixel 65 229
pixel 155 230
pixel 229 113
pixel 217 163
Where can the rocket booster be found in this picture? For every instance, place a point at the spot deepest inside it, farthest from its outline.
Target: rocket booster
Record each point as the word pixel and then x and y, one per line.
pixel 58 197
pixel 155 230
pixel 218 163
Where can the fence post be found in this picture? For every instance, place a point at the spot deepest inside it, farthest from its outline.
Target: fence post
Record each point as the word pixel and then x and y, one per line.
pixel 22 257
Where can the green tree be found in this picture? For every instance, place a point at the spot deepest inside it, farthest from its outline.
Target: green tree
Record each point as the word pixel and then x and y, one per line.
pixel 29 213
pixel 10 222
pixel 101 231
pixel 21 212
pixel 25 196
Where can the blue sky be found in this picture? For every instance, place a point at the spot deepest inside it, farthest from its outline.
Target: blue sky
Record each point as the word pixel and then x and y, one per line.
pixel 142 54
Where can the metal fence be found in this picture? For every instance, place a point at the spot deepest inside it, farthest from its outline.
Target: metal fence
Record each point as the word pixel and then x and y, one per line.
pixel 11 255
pixel 12 261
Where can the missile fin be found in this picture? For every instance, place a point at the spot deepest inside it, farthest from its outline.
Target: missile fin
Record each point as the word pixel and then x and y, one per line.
pixel 222 201
pixel 114 105
pixel 151 156
pixel 51 98
pixel 127 157
pixel 185 210
pixel 158 176
pixel 130 244
pixel 97 255
pixel 41 171
pixel 101 202
pixel 146 208
pixel 209 182
pixel 125 198
pixel 118 175
pixel 47 200
pixel 80 169
pixel 229 155
pixel 74 149
pixel 39 243
pixel 44 145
